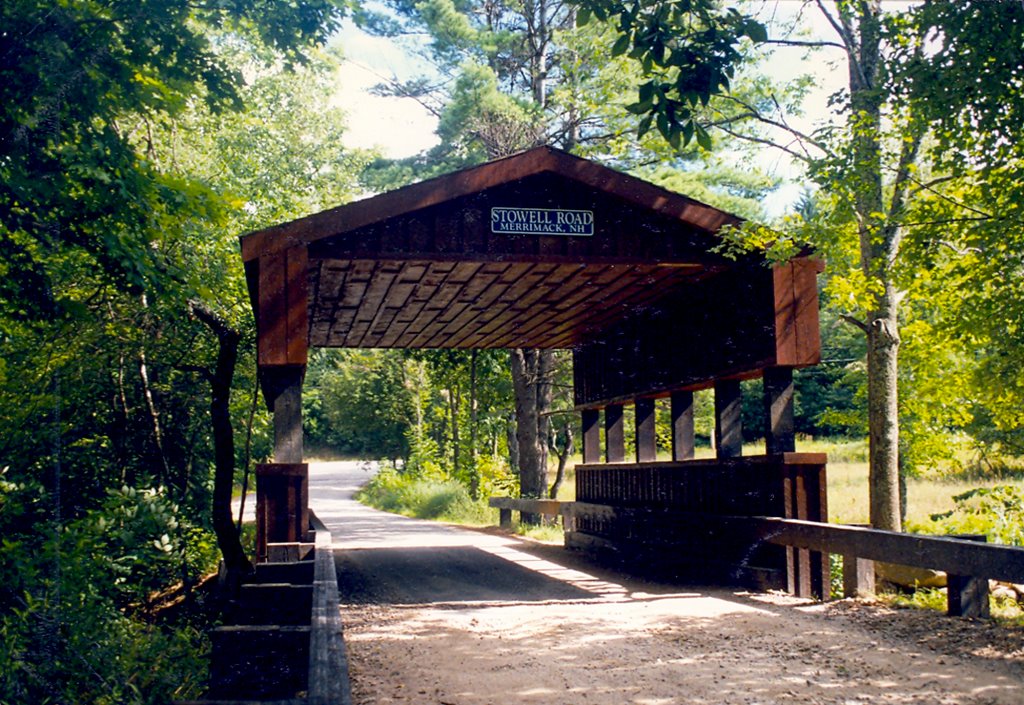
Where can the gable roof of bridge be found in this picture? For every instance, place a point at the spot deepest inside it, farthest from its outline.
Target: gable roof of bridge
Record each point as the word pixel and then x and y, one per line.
pixel 456 262
pixel 525 166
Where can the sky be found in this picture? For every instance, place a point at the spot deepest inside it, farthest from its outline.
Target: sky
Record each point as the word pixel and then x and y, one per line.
pixel 399 127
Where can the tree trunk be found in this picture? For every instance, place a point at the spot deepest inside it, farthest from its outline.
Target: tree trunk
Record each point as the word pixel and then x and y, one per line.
pixel 879 245
pixel 474 470
pixel 236 564
pixel 563 459
pixel 883 415
pixel 453 416
pixel 531 371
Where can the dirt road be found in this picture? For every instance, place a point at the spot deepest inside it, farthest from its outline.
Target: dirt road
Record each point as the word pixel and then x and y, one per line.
pixel 435 614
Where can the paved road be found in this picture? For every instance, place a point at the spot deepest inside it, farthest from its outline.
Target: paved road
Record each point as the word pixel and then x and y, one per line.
pixel 390 559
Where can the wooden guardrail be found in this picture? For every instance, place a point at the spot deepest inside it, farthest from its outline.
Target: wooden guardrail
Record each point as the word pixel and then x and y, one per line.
pixel 282 644
pixel 547 507
pixel 968 564
pixel 328 666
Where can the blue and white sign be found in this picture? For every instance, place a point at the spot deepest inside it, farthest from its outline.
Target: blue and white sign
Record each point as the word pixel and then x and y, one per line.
pixel 542 221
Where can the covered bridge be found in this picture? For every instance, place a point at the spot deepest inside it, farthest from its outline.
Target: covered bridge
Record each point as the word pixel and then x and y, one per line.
pixel 546 250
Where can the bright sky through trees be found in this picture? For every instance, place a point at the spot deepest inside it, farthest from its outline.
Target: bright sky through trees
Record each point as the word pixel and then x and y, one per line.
pixel 401 127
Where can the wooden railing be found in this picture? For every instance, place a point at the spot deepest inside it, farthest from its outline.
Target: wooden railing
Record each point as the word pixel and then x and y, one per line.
pixel 546 507
pixel 968 564
pixel 328 667
pixel 282 640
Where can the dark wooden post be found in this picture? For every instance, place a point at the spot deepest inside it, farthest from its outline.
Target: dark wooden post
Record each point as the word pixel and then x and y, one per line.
pixel 282 505
pixel 728 419
pixel 282 385
pixel 614 434
pixel 778 410
pixel 858 577
pixel 806 498
pixel 288 421
pixel 682 426
pixel 591 436
pixel 646 442
pixel 967 595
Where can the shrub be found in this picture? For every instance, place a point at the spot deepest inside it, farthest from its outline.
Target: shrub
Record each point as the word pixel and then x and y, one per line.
pixel 997 512
pixel 69 630
pixel 423 498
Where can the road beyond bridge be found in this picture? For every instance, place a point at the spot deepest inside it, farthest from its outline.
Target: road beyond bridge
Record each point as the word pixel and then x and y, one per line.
pixel 435 614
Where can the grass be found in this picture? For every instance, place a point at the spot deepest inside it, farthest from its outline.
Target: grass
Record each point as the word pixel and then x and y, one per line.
pixel 848 492
pixel 426 498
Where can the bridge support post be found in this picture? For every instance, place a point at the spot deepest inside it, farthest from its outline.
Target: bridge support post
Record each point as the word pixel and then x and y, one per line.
pixel 646 441
pixel 779 434
pixel 728 419
pixel 282 487
pixel 282 506
pixel 614 434
pixel 682 426
pixel 591 436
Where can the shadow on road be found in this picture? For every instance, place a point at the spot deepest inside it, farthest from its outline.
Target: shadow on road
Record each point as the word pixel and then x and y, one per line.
pixel 425 575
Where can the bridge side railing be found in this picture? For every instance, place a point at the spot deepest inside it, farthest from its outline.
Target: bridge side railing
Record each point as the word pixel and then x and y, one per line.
pixel 328 666
pixel 547 507
pixel 969 565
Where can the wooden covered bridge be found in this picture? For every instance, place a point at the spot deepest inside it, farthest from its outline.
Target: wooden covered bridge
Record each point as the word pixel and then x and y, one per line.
pixel 546 250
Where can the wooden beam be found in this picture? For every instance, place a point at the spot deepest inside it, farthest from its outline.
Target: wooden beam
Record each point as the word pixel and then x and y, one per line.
pixel 614 434
pixel 591 436
pixel 778 410
pixel 646 441
pixel 282 308
pixel 728 419
pixel 953 555
pixel 682 426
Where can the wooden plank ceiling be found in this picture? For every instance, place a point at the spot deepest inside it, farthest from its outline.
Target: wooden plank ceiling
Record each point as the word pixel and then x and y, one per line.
pixel 476 304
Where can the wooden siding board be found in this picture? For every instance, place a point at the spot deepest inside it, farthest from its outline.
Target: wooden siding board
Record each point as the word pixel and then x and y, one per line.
pixel 805 301
pixel 273 315
pixel 297 294
pixel 686 340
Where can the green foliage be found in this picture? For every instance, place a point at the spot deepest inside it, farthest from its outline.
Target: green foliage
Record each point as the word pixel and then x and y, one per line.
pixel 424 498
pixel 921 598
pixel 357 403
pixel 126 174
pixel 997 512
pixel 689 51
pixel 73 597
pixel 548 533
pixel 74 184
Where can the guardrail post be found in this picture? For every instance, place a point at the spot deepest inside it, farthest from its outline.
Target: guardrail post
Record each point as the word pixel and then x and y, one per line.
pixel 858 577
pixel 505 518
pixel 967 595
